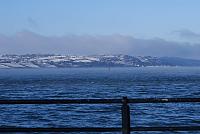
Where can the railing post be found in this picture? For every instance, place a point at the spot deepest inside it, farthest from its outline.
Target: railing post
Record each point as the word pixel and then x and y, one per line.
pixel 125 116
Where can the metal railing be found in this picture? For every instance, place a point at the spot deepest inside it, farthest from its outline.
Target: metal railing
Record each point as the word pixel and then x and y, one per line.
pixel 125 110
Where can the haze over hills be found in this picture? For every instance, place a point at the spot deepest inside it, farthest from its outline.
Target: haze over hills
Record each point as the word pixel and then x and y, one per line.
pixel 67 61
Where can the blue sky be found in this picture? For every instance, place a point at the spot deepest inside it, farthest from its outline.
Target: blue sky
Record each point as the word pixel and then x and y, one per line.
pixel 143 18
pixel 169 20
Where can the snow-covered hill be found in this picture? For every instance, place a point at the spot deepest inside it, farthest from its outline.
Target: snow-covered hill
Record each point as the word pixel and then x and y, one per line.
pixel 61 61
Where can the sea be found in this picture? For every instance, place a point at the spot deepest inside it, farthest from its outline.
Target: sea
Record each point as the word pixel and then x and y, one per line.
pixel 109 83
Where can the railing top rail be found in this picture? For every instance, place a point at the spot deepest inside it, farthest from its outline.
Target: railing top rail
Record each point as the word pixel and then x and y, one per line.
pixel 100 101
pixel 163 100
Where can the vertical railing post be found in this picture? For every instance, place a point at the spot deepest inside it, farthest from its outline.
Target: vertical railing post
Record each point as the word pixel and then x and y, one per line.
pixel 125 116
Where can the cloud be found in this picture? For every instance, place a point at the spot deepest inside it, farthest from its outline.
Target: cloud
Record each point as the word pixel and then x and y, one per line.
pixel 32 23
pixel 188 34
pixel 28 42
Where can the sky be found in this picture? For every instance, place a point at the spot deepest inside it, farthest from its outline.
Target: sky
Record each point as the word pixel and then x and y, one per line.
pixel 84 27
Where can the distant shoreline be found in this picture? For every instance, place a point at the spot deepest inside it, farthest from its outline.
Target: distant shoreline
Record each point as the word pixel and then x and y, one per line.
pixel 115 67
pixel 105 61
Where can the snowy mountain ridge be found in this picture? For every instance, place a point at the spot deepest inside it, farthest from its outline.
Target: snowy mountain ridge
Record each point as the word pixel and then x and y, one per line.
pixel 64 61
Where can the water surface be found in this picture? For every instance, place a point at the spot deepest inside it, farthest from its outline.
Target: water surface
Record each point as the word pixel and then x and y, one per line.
pixel 79 83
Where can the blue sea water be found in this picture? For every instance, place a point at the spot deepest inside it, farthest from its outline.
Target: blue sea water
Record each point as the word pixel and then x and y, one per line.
pixel 71 83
